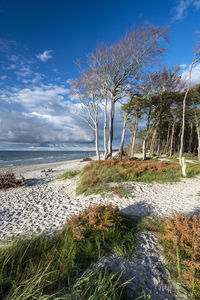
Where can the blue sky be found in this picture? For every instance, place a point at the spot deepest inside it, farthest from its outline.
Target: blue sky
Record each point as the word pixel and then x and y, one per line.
pixel 39 43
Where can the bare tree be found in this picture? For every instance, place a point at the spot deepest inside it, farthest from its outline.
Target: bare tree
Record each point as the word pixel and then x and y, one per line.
pixel 196 58
pixel 87 91
pixel 119 66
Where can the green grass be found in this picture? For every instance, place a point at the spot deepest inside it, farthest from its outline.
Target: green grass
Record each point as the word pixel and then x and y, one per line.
pixel 68 174
pixel 41 267
pixel 100 284
pixel 96 177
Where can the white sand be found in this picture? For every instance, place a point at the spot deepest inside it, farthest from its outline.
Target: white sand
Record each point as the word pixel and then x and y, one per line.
pixel 44 205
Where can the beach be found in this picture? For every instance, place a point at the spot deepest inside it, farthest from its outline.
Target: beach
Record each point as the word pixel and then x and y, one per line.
pixel 45 203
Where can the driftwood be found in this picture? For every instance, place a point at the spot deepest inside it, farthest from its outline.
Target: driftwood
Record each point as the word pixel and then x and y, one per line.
pixel 9 180
pixel 86 159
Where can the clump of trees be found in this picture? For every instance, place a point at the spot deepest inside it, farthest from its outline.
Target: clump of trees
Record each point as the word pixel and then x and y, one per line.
pixel 156 99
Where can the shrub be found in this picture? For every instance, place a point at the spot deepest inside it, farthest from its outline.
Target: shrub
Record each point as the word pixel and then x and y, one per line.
pixel 99 217
pixel 181 240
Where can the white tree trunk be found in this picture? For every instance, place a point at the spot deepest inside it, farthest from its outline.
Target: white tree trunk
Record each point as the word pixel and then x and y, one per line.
pixel 134 136
pixel 183 116
pixel 122 138
pixel 198 135
pixel 105 129
pixel 112 112
pixel 97 137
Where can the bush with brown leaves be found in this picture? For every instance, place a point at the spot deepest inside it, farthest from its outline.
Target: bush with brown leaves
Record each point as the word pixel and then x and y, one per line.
pixel 98 217
pixel 182 233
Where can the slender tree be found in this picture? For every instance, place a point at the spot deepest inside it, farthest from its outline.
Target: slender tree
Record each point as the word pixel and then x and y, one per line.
pixel 196 58
pixel 88 93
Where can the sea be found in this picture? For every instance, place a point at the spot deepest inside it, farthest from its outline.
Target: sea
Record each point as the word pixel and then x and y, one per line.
pixel 22 158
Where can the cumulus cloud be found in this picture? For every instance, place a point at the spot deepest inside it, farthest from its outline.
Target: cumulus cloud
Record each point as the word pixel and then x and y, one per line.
pixel 46 115
pixel 181 9
pixel 46 55
pixel 40 115
pixel 195 78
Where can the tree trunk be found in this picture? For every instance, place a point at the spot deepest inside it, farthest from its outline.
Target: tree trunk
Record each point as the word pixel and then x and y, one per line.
pixel 167 142
pixel 198 135
pixel 146 136
pixel 183 116
pixel 154 137
pixel 133 129
pixel 134 136
pixel 172 137
pixel 159 136
pixel 122 138
pixel 190 140
pixel 105 129
pixel 97 138
pixel 112 112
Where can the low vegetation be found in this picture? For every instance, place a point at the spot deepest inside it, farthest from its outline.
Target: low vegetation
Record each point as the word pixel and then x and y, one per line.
pixel 9 180
pixel 69 174
pixel 97 176
pixel 61 266
pixel 180 237
pixel 49 268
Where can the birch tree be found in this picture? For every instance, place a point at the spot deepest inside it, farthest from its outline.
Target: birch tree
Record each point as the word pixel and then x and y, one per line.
pixel 195 60
pixel 87 91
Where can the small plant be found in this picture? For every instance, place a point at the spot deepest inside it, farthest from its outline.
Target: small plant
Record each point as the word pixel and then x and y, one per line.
pixel 181 241
pixel 9 180
pixel 68 174
pixel 99 217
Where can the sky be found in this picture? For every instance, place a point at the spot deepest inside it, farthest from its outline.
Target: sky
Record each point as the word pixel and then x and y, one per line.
pixel 40 41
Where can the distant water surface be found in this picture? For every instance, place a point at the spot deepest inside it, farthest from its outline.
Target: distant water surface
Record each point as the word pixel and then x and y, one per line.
pixel 21 158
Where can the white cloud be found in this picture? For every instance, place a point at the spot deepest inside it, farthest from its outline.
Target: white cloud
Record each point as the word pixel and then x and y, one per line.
pixel 45 114
pixel 3 77
pixel 195 78
pixel 46 55
pixel 181 9
pixel 41 115
pixel 23 72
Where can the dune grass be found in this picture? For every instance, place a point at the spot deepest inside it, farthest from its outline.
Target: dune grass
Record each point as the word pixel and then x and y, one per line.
pixel 97 176
pixel 47 268
pixel 69 174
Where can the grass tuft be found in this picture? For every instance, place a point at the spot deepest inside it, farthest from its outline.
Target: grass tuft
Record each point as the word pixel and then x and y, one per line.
pixel 42 268
pixel 68 174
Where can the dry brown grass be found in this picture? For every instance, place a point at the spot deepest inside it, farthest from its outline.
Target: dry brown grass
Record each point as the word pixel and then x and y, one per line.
pixel 9 180
pixel 140 166
pixel 98 217
pixel 183 233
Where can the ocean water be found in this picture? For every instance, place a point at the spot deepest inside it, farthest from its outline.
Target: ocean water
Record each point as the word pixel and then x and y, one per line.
pixel 22 158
